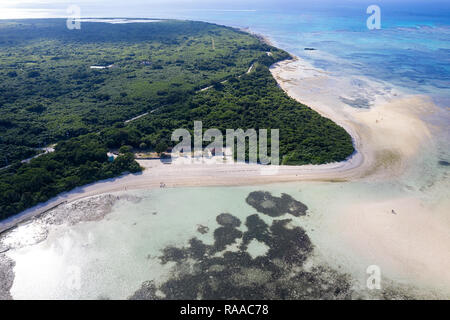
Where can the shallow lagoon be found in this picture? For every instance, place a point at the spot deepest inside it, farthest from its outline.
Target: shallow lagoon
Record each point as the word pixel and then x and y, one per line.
pixel 113 256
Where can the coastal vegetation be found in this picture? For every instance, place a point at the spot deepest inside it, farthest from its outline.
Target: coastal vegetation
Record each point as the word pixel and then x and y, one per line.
pixel 250 101
pixel 151 84
pixel 49 93
pixel 75 162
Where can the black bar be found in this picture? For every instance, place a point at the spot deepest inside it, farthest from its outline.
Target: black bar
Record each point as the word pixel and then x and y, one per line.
pixel 177 310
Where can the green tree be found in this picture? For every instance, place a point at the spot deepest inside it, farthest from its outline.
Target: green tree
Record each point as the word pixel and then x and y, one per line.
pixel 125 149
pixel 161 147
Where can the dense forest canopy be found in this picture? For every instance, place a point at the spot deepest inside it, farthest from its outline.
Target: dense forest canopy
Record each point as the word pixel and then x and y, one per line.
pixel 48 91
pixel 50 94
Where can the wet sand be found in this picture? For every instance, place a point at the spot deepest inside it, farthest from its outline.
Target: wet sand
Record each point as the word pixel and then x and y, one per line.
pixel 408 234
pixel 413 241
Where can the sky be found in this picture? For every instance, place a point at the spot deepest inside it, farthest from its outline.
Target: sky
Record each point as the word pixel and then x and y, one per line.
pixel 13 9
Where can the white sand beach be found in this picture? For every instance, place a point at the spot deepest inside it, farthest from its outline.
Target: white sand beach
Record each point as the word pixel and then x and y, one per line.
pixel 408 235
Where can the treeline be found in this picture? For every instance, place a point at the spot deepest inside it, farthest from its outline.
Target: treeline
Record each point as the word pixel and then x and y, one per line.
pixel 75 162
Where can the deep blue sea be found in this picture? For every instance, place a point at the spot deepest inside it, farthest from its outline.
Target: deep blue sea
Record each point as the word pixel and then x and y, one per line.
pixel 411 50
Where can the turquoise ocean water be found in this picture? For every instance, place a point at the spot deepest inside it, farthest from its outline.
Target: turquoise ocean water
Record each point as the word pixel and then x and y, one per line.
pixel 411 50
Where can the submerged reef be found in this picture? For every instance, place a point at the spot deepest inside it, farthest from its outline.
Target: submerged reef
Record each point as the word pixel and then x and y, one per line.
pixel 263 255
pixel 227 270
pixel 212 272
pixel 272 206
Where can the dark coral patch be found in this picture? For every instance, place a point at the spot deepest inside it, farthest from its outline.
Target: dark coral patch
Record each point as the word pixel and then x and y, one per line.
pixel 172 254
pixel 201 273
pixel 202 229
pixel 444 163
pixel 210 272
pixel 272 206
pixel 228 220
pixel 291 245
pixel 225 236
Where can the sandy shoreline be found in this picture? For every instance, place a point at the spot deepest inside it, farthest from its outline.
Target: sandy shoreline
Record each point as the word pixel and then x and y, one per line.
pixel 406 235
pixel 370 130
